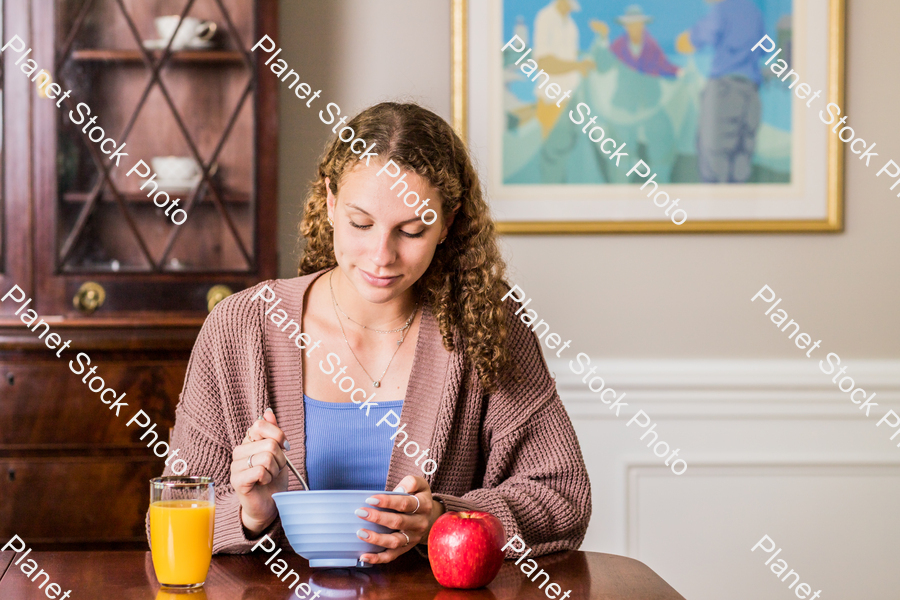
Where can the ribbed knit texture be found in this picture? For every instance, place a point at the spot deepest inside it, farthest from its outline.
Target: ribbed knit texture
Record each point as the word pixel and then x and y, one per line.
pixel 512 453
pixel 344 449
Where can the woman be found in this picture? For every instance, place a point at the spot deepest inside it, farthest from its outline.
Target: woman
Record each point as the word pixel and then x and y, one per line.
pixel 409 314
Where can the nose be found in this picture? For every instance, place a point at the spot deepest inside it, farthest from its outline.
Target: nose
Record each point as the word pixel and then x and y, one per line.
pixel 384 253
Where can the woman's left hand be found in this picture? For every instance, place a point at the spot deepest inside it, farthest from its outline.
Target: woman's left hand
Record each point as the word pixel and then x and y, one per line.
pixel 416 525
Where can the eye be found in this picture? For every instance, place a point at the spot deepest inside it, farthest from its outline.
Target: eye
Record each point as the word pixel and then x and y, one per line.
pixel 406 234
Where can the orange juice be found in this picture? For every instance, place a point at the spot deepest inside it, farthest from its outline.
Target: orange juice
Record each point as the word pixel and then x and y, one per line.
pixel 181 537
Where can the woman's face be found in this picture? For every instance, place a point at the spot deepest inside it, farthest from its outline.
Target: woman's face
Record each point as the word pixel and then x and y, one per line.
pixel 381 245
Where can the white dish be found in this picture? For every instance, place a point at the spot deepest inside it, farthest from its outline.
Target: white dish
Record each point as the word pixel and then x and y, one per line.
pixel 192 45
pixel 200 44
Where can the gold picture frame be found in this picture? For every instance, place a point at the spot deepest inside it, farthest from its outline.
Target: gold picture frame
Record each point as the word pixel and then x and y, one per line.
pixel 833 220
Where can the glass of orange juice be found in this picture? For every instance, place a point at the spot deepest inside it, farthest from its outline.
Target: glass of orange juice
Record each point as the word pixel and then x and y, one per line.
pixel 182 517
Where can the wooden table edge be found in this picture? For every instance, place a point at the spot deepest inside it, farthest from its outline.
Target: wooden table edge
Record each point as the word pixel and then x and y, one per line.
pixel 7 558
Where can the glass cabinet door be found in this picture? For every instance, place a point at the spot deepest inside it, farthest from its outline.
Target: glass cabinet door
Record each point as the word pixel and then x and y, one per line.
pixel 155 143
pixel 151 156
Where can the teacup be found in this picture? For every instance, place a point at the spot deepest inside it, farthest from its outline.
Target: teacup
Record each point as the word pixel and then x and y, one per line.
pixel 191 30
pixel 175 168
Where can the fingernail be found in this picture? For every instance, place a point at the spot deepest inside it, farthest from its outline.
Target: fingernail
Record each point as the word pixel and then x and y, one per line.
pixel 269 410
pixel 360 533
pixel 287 445
pixel 400 488
pixel 373 501
pixel 361 513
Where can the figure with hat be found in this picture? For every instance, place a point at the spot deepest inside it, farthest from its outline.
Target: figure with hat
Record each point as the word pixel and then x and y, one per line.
pixel 636 48
pixel 556 51
pixel 638 85
pixel 639 118
pixel 730 107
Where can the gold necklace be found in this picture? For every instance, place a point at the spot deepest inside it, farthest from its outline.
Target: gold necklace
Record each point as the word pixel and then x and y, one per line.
pixel 375 383
pixel 406 326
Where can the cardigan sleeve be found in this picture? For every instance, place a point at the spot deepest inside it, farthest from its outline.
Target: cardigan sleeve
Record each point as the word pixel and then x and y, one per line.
pixel 202 434
pixel 207 456
pixel 535 480
pixel 536 483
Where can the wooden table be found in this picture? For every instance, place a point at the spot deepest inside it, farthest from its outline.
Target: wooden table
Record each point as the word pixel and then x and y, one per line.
pixel 128 575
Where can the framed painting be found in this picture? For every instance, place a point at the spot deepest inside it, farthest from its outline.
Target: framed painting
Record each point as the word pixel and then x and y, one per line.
pixel 653 116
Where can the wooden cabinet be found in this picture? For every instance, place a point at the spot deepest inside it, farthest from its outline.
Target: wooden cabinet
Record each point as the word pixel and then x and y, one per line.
pixel 77 502
pixel 97 246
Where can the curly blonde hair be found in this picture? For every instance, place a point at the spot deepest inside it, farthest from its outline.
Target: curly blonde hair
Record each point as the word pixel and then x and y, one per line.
pixel 464 284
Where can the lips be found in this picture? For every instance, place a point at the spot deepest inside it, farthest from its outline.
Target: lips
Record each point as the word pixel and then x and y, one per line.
pixel 378 281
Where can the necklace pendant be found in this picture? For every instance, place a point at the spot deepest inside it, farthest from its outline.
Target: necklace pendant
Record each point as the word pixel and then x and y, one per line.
pixel 376 383
pixel 399 342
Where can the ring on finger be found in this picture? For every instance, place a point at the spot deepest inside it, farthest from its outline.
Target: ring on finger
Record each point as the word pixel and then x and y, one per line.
pixel 250 462
pixel 407 539
pixel 418 504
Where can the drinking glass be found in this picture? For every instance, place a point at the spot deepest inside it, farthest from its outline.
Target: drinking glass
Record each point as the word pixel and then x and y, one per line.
pixel 182 517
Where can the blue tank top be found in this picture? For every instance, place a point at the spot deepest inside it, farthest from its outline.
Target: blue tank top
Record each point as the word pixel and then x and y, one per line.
pixel 344 448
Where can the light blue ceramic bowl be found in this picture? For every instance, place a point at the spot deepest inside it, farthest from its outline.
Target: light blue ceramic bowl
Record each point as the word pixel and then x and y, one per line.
pixel 321 525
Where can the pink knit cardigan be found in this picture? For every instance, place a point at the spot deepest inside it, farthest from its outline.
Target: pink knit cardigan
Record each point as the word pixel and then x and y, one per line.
pixel 512 453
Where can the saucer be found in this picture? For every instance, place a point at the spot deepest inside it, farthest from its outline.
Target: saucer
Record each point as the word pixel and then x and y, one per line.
pixel 194 44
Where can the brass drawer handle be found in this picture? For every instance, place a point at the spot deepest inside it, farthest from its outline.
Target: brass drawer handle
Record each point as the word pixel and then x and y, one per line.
pixel 216 294
pixel 90 297
pixel 43 86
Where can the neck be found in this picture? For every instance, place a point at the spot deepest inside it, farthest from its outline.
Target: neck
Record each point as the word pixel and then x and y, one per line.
pixel 383 316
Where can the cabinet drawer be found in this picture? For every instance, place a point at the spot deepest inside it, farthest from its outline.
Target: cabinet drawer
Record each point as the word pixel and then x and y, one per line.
pixel 76 499
pixel 44 403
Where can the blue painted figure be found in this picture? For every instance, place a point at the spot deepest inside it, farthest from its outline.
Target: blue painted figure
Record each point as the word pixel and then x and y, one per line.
pixel 730 107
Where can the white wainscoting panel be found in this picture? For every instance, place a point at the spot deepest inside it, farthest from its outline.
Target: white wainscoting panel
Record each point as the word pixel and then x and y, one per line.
pixel 773 448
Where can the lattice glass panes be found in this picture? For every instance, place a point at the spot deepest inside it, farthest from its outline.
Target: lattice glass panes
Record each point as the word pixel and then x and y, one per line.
pixel 229 227
pixel 172 80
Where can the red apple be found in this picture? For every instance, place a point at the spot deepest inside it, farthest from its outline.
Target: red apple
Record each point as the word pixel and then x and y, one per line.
pixel 464 549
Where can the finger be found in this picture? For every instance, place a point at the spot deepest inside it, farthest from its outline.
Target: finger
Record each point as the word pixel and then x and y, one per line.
pixel 263 459
pixel 263 429
pixel 268 446
pixel 404 504
pixel 261 445
pixel 244 481
pixel 390 541
pixel 411 485
pixel 269 416
pixel 384 557
pixel 269 461
pixel 393 520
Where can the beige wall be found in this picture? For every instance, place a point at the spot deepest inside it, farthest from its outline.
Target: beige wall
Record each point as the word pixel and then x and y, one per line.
pixel 632 296
pixel 358 53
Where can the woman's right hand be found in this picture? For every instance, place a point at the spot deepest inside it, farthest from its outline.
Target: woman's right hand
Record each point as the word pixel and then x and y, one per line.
pixel 255 484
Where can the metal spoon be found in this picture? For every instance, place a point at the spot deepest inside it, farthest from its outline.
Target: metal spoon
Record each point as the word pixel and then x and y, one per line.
pixel 296 472
pixel 292 467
